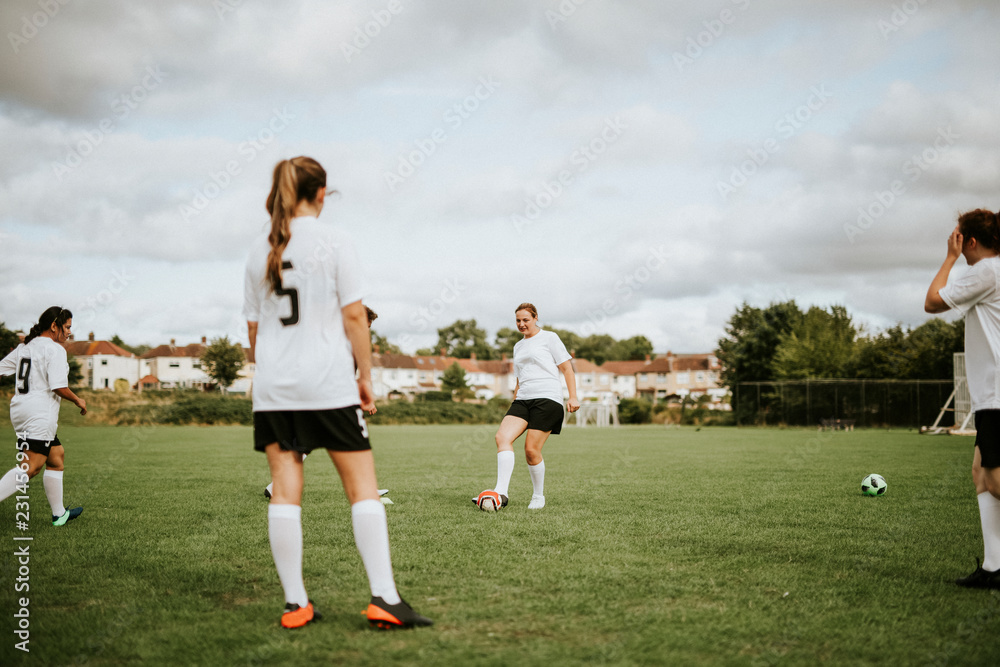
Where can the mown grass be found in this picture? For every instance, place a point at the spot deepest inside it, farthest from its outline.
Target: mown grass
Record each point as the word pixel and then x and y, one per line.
pixel 658 546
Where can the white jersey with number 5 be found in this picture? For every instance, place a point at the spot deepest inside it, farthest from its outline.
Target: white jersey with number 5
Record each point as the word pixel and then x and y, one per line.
pixel 38 368
pixel 304 359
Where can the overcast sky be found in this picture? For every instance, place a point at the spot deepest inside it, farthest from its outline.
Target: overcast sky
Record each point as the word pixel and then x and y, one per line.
pixel 631 168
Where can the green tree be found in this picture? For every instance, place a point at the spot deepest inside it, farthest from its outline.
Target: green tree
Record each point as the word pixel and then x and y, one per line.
pixel 75 376
pixel 425 352
pixel 933 345
pixel 634 348
pixel 384 346
pixel 752 337
pixel 597 348
pixel 8 341
pixel 222 361
pixel 505 340
pixel 885 355
pixel 462 338
pixel 453 381
pixel 820 345
pixel 924 353
pixel 137 350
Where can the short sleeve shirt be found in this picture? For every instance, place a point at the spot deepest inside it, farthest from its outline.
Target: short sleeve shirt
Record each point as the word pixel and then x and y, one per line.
pixel 304 359
pixel 536 361
pixel 38 368
pixel 976 294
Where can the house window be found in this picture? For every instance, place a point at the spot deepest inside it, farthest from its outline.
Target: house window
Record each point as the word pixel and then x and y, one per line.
pixel 175 364
pixel 196 364
pixel 642 377
pixel 661 377
pixel 423 377
pixel 683 378
pixel 699 377
pixel 104 362
pixel 587 379
pixel 605 379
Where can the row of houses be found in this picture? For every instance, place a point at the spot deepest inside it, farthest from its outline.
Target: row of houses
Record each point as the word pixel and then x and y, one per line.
pixel 657 378
pixel 107 366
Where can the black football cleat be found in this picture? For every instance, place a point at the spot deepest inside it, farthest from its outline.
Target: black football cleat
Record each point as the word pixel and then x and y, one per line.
pixel 980 578
pixel 387 616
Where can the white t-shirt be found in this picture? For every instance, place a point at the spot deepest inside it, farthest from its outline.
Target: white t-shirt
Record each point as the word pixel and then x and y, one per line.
pixel 977 295
pixel 304 359
pixel 536 362
pixel 38 368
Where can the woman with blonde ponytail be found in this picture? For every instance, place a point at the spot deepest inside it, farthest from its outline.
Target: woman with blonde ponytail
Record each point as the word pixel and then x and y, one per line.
pixel 41 380
pixel 976 295
pixel 308 331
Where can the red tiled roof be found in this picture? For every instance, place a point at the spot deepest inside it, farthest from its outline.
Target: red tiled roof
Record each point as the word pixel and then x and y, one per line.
pixel 496 366
pixel 193 350
pixel 587 366
pixel 639 366
pixel 86 348
pixel 149 379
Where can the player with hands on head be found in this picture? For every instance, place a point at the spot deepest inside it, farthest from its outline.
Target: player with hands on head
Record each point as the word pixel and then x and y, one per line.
pixel 41 380
pixel 311 345
pixel 976 295
pixel 537 409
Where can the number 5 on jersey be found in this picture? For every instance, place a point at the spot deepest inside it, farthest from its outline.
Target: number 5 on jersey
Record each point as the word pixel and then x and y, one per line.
pixel 292 294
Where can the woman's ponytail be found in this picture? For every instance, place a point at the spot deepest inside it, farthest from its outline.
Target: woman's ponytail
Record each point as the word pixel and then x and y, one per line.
pixel 294 180
pixel 55 315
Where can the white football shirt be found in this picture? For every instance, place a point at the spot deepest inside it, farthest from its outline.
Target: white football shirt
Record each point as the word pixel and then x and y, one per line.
pixel 536 362
pixel 304 359
pixel 38 368
pixel 976 295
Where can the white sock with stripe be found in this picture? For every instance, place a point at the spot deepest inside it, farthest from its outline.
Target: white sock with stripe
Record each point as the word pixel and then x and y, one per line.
pixel 284 529
pixel 505 468
pixel 371 534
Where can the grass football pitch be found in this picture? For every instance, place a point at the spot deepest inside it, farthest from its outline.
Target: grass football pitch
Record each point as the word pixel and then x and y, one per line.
pixel 657 546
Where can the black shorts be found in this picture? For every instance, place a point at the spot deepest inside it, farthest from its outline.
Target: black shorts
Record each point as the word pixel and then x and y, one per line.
pixel 988 437
pixel 340 429
pixel 38 446
pixel 542 414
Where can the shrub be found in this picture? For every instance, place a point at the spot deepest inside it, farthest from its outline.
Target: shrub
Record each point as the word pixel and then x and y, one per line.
pixel 634 411
pixel 432 396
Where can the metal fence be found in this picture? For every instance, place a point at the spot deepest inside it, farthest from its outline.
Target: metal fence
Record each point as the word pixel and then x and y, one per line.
pixel 869 403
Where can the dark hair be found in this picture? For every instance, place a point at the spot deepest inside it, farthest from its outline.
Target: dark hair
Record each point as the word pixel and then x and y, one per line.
pixel 300 178
pixel 982 225
pixel 55 315
pixel 528 307
pixel 372 315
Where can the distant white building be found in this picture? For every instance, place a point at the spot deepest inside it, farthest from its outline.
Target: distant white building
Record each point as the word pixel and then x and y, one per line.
pixel 177 367
pixel 102 363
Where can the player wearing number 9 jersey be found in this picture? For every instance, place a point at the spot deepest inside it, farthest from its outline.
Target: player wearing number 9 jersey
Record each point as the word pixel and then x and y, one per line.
pixel 41 373
pixel 308 329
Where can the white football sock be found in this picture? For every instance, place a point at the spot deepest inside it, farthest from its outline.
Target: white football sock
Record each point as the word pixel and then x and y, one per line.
pixel 505 468
pixel 371 534
pixel 10 481
pixel 52 481
pixel 284 528
pixel 537 478
pixel 989 516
